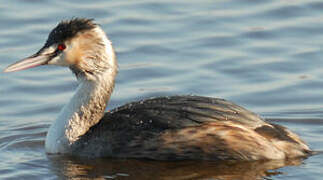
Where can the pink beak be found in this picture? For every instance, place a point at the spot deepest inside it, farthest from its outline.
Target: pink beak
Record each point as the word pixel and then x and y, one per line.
pixel 30 62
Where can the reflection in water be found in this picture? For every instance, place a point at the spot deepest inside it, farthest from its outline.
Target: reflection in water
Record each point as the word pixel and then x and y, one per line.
pixel 70 167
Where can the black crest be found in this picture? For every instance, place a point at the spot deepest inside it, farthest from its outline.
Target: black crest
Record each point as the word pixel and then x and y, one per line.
pixel 68 29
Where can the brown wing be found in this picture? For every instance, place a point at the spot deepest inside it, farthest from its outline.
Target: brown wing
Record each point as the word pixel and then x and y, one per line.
pixel 186 127
pixel 182 111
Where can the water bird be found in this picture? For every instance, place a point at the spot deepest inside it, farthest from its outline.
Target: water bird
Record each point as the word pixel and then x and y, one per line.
pixel 159 128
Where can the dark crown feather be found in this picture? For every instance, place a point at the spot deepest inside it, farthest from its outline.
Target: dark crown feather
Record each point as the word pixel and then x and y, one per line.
pixel 69 28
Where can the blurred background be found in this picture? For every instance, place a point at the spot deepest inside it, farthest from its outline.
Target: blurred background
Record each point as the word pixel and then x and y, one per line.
pixel 263 55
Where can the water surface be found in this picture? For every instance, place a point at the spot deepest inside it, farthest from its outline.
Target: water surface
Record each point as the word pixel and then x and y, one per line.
pixel 263 55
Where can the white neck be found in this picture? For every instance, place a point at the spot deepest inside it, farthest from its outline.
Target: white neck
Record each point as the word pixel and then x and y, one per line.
pixel 84 110
pixel 87 106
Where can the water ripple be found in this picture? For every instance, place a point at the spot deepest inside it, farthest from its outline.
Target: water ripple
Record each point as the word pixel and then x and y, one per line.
pixel 263 55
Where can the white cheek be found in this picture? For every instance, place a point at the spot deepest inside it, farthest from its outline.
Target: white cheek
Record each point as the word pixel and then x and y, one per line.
pixel 59 60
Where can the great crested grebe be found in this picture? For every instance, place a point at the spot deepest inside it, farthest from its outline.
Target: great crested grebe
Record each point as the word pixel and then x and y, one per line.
pixel 162 128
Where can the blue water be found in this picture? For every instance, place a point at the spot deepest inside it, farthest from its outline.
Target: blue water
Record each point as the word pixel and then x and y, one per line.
pixel 263 55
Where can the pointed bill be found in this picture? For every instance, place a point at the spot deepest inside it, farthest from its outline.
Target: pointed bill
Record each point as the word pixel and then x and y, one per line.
pixel 30 62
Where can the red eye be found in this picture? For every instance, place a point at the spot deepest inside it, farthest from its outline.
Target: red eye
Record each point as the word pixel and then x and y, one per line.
pixel 61 47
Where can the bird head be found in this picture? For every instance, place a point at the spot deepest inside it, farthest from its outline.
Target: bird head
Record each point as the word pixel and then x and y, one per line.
pixel 79 44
